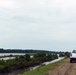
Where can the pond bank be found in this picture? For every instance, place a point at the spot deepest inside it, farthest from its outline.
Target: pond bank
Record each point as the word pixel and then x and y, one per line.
pixel 19 72
pixel 43 69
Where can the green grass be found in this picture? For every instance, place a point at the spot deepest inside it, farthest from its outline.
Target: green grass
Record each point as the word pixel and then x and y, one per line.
pixel 43 69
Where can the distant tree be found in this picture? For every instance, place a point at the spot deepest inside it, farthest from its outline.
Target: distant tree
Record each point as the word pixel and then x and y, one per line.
pixel 61 54
pixel 67 54
pixel 27 57
pixel 39 55
pixel 21 57
pixel 10 55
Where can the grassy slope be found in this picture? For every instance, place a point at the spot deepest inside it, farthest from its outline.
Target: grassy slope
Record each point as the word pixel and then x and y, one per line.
pixel 43 69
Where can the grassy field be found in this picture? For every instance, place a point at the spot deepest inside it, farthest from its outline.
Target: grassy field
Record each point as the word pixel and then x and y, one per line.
pixel 43 69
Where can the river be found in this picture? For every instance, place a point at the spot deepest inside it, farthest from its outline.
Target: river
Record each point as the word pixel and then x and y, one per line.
pixel 19 72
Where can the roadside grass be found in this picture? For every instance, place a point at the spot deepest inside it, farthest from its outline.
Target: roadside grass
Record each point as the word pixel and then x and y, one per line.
pixel 43 69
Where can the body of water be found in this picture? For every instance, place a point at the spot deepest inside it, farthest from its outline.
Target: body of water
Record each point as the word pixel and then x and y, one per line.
pixel 7 58
pixel 6 54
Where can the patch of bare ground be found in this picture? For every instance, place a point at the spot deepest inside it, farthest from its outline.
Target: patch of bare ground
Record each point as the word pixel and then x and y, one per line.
pixel 73 70
pixel 64 68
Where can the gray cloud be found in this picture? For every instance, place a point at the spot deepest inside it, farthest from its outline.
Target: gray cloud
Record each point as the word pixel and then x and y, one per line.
pixel 38 24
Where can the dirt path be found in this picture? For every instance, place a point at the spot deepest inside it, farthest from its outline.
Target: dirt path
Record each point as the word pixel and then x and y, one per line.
pixel 64 68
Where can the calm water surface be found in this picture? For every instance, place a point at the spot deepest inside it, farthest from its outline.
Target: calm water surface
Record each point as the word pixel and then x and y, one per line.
pixel 6 54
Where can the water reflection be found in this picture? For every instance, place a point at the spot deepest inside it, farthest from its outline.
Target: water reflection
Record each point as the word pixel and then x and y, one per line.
pixel 16 72
pixel 7 58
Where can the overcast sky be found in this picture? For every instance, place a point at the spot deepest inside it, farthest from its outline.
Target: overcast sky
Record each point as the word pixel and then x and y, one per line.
pixel 38 24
